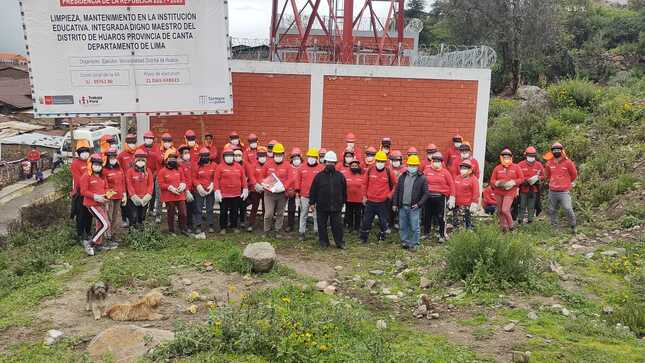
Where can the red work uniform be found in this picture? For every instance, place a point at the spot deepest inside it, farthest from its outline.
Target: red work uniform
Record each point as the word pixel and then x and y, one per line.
pixel 489 197
pixel 171 177
pixel 560 174
pixel 250 155
pixel 230 180
pixel 115 182
pixel 355 186
pixel 501 173
pixel 451 155
pixel 283 171
pixel 454 167
pixel 528 171
pixel 304 177
pixel 33 155
pixel 139 183
pixel 78 169
pixel 204 175
pixel 187 169
pixel 466 191
pixel 440 181
pixel 154 158
pixel 90 186
pixel 126 158
pixel 378 185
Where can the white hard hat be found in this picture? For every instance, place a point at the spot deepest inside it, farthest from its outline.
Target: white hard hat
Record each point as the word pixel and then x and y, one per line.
pixel 331 156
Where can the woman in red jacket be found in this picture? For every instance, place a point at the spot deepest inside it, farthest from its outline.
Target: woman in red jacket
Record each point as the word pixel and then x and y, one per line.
pixel 466 195
pixel 140 185
pixel 230 190
pixel 186 166
pixel 116 186
pixel 354 207
pixel 93 190
pixel 172 188
pixel 442 188
pixel 506 179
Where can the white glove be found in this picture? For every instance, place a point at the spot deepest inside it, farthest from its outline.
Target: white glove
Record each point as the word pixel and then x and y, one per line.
pixel 136 200
pixel 146 198
pixel 218 196
pixel 182 187
pixel 509 184
pixel 473 207
pixel 124 200
pixel 189 196
pixel 245 193
pixel 532 180
pixel 451 202
pixel 210 188
pixel 201 190
pixel 259 188
pixel 99 198
pixel 173 190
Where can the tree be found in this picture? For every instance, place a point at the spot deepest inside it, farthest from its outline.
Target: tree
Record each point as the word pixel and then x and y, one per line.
pixel 415 9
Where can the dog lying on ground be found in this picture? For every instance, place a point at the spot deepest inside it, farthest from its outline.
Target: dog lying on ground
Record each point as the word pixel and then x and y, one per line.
pixel 95 298
pixel 143 309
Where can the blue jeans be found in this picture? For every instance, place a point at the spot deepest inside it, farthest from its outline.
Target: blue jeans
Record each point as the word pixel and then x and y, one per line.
pixel 200 202
pixel 409 227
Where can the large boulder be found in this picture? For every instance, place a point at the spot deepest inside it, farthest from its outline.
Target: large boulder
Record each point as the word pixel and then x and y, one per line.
pixel 261 255
pixel 126 343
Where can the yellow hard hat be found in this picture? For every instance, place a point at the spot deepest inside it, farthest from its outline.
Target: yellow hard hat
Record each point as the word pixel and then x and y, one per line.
pixel 278 149
pixel 413 160
pixel 82 143
pixel 381 156
pixel 313 152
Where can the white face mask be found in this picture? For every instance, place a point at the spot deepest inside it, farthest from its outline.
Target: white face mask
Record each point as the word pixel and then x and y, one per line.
pixel 396 163
pixel 132 146
pixel 386 149
pixel 436 164
pixel 113 162
pixel 140 163
pixel 186 156
pixel 238 158
pixel 253 145
pixel 348 159
pixel 350 145
pixel 262 159
pixel 312 161
pixel 191 143
pixel 369 159
pixel 270 154
pixel 278 158
pixel 530 159
pixel 380 165
pixel 296 161
pixel 167 145
pixel 457 144
pixel 235 141
pixel 464 172
pixel 465 155
pixel 97 168
pixel 148 141
pixel 84 155
pixel 228 159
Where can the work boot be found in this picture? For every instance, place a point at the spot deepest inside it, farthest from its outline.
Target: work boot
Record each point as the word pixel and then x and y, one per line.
pixel 211 230
pixel 89 250
pixel 341 246
pixel 223 231
pixel 157 219
pixel 249 229
pixel 574 230
pixel 125 224
pixel 302 237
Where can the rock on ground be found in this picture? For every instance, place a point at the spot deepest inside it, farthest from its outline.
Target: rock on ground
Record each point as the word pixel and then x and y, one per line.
pixel 321 285
pixel 262 256
pixel 126 343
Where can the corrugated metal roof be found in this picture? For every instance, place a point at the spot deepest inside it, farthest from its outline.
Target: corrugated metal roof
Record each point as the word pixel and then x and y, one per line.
pixel 34 138
pixel 19 126
pixel 16 92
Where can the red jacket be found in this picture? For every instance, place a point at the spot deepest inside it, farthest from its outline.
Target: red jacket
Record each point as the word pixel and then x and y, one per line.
pixel 126 160
pixel 230 179
pixel 529 170
pixel 194 154
pixel 171 177
pixel 78 169
pixel 355 186
pixel 454 167
pixel 425 163
pixel 451 154
pixel 33 155
pixel 304 177
pixel 560 174
pixel 378 186
pixel 250 155
pixel 139 183
pixel 155 158
pixel 440 181
pixel 501 173
pixel 256 169
pixel 187 169
pixel 466 190
pixel 204 175
pixel 115 181
pixel 398 171
pixel 284 171
pixel 489 197
pixel 90 186
pixel 249 172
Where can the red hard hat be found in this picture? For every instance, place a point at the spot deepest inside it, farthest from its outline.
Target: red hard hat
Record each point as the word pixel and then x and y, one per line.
pixel 131 137
pixel 233 134
pixel 148 135
pixel 204 151
pixel 96 158
pixel 350 137
pixel 412 150
pixel 252 137
pixel 111 151
pixel 190 133
pixel 370 150
pixel 322 151
pixel 296 151
pixel 506 151
pixel 437 156
pixel 227 150
pixel 272 142
pixel 396 154
pixel 208 133
pixel 530 151
pixel 465 146
pixel 140 153
pixel 166 137
pixel 386 141
pixel 431 147
pixel 348 152
pixel 466 163
pixel 183 147
pixel 457 137
pixel 557 145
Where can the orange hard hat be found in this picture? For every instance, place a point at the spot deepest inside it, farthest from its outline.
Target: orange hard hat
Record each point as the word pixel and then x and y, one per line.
pixel 396 155
pixel 204 151
pixel 252 137
pixel 350 137
pixel 412 150
pixel 262 150
pixel 530 151
pixel 371 150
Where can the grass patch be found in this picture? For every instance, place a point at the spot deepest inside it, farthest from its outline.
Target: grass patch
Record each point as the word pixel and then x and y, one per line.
pixel 63 351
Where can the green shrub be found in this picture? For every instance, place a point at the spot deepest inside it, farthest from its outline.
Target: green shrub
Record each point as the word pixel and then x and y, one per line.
pixel 63 179
pixel 488 259
pixel 572 115
pixel 148 238
pixel 631 314
pixel 233 261
pixel 501 106
pixel 574 93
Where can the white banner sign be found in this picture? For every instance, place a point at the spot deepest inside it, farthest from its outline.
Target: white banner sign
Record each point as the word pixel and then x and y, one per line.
pixel 107 57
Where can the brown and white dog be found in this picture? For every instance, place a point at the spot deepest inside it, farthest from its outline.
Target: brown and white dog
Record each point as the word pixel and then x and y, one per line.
pixel 95 298
pixel 143 309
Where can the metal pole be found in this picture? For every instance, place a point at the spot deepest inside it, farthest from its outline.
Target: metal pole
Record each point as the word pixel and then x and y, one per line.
pixel 347 49
pixel 124 130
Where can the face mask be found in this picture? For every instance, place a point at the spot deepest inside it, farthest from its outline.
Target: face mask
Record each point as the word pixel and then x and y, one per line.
pixel 380 165
pixel 412 169
pixel 148 142
pixel 140 163
pixel 228 159
pixel 457 144
pixel 386 149
pixel 235 141
pixel 238 158
pixel 186 157
pixel 113 162
pixel 270 154
pixel 396 163
pixel 167 145
pixel 369 159
pixel 296 161
pixel 355 169
pixel 464 172
pixel 465 155
pixel 84 155
pixel 132 146
pixel 530 159
pixel 330 167
pixel 557 154
pixel 191 143
pixel 172 163
pixel 262 159
pixel 436 165
pixel 350 145
pixel 312 161
pixel 253 145
pixel 204 159
pixel 348 159
pixel 278 158
pixel 97 168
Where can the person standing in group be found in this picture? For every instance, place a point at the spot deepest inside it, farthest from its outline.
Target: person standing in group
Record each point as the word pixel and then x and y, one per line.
pixel 379 185
pixel 173 186
pixel 442 192
pixel 396 163
pixel 560 173
pixel 409 197
pixel 80 212
pixel 489 200
pixel 249 183
pixel 251 152
pixel 126 161
pixel 140 186
pixel 209 143
pixel 153 165
pixel 94 189
pixel 431 149
pixel 304 177
pixel 506 179
pixel 187 168
pixel 350 145
pixel 321 155
pixel 191 142
pixel 452 153
pixel 465 153
pixel 116 187
pixel 370 153
pixel 203 180
pixel 533 173
pixel 348 157
pixel 270 146
pixel 256 194
pixel 386 145
pixel 327 196
pixel 355 180
pixel 466 195
pixel 230 190
pixel 275 201
pixel 296 163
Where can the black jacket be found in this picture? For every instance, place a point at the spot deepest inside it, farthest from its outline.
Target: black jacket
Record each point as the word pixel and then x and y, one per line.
pixel 419 190
pixel 328 191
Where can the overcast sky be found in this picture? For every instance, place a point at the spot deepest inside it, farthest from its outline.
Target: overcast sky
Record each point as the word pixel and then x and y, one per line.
pixel 248 19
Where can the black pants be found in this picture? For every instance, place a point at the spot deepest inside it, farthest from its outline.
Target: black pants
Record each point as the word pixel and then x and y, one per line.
pixel 228 210
pixel 83 218
pixel 242 212
pixel 434 214
pixel 291 213
pixel 124 213
pixel 373 209
pixel 353 215
pixel 336 223
pixel 190 214
pixel 137 214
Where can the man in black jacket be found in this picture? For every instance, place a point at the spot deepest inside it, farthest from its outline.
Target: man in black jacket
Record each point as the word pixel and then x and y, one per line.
pixel 328 194
pixel 409 196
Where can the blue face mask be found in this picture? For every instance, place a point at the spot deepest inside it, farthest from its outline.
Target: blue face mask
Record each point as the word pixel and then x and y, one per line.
pixel 412 169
